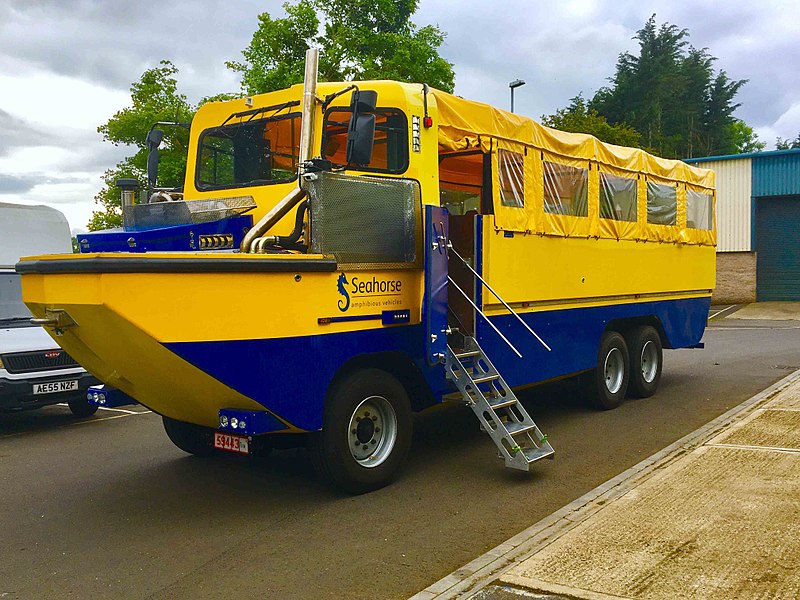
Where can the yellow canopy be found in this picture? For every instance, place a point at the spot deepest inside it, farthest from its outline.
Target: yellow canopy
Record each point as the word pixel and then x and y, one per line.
pixel 465 124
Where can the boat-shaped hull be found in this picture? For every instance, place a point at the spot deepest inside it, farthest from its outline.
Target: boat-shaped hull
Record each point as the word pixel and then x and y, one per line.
pixel 189 334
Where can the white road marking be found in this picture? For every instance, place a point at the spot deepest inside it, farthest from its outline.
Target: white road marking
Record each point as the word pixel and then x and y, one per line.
pixel 719 312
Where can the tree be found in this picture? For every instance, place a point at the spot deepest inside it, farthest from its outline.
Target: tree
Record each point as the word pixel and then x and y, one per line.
pixel 154 98
pixel 782 144
pixel 670 93
pixel 360 39
pixel 579 118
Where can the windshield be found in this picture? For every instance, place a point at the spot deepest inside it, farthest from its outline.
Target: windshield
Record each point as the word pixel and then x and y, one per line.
pixel 11 305
pixel 254 152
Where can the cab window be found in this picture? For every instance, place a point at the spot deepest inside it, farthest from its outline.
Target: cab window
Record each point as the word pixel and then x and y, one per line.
pixel 255 152
pixel 390 152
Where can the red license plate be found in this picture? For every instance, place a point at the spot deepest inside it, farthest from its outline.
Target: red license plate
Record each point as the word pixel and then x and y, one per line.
pixel 231 443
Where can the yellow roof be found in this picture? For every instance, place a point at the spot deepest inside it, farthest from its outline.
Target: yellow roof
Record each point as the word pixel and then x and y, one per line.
pixel 467 124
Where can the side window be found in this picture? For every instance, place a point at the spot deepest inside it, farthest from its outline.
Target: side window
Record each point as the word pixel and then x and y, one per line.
pixel 390 152
pixel 662 204
pixel 511 172
pixel 699 210
pixel 617 198
pixel 566 190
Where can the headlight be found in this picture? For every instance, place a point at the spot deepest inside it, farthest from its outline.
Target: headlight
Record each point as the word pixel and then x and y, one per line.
pixel 1 363
pixel 223 421
pixel 234 422
pixel 242 424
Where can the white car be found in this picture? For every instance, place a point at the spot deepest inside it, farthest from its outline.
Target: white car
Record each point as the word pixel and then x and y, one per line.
pixel 34 371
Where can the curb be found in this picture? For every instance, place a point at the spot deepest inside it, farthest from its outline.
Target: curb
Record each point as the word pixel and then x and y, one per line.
pixel 486 568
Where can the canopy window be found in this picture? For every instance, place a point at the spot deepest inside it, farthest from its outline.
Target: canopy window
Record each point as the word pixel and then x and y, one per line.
pixel 662 203
pixel 566 190
pixel 617 198
pixel 699 210
pixel 511 171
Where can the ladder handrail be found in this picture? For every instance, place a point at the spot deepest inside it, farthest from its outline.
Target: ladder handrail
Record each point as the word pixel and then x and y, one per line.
pixel 496 295
pixel 480 312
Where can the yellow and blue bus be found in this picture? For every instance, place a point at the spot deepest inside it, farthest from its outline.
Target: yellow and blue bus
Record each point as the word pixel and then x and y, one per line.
pixel 342 255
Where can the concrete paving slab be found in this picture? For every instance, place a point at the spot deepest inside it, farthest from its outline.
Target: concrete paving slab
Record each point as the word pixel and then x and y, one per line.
pixel 789 399
pixel 775 311
pixel 769 429
pixel 718 523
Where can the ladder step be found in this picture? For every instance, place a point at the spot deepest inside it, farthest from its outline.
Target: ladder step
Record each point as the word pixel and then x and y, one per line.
pixel 515 428
pixel 486 378
pixel 502 403
pixel 460 355
pixel 534 454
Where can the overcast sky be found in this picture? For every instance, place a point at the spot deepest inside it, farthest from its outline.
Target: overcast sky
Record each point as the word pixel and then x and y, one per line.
pixel 66 66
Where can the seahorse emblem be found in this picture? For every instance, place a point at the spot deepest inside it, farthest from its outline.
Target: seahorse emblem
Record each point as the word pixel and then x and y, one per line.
pixel 344 303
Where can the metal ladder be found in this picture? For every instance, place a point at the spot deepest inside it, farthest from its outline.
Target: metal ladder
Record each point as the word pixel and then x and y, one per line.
pixel 501 414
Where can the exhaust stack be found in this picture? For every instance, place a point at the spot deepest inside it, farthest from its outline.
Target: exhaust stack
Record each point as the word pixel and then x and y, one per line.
pixel 306 152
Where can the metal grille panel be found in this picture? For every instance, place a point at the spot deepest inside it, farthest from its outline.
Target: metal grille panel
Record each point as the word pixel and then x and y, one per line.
pixel 191 212
pixel 365 221
pixel 26 362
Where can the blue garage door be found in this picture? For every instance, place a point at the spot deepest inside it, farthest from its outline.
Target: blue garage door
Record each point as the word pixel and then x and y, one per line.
pixel 778 248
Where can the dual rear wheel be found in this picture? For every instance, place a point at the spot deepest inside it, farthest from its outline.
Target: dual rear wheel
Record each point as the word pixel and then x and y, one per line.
pixel 629 364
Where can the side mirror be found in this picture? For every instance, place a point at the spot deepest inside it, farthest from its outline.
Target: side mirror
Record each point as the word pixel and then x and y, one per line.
pixel 154 137
pixel 361 131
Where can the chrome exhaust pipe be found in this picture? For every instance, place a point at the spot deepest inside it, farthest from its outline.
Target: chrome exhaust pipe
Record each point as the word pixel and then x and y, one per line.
pixel 306 153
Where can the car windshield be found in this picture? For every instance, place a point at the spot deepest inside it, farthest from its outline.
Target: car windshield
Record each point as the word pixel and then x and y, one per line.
pixel 11 306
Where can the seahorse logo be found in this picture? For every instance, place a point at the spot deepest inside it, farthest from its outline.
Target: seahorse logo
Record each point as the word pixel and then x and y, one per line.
pixel 344 303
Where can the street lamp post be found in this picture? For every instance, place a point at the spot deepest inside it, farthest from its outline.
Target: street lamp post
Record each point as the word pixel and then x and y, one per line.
pixel 514 84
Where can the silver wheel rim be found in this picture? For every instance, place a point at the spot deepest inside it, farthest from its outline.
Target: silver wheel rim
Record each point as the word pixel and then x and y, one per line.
pixel 372 432
pixel 614 370
pixel 649 361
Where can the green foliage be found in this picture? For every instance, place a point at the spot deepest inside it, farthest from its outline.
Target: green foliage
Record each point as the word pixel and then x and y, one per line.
pixel 671 95
pixel 579 118
pixel 360 39
pixel 154 98
pixel 782 144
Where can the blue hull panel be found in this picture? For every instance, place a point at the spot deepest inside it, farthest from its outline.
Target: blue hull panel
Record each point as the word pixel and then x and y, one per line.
pixel 290 376
pixel 574 336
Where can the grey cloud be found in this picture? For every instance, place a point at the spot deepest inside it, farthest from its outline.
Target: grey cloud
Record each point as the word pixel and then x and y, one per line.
pixel 17 184
pixel 16 133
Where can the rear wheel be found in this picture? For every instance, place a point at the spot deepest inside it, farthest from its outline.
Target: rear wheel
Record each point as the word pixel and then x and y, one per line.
pixel 189 437
pixel 81 408
pixel 608 383
pixel 366 432
pixel 646 361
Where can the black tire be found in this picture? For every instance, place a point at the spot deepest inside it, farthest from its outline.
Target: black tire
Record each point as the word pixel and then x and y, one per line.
pixel 190 438
pixel 81 408
pixel 646 361
pixel 370 411
pixel 608 383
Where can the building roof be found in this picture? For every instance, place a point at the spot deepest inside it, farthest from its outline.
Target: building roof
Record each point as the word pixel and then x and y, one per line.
pixel 744 155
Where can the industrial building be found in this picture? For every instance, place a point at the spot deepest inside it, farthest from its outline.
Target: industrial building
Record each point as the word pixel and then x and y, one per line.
pixel 758 225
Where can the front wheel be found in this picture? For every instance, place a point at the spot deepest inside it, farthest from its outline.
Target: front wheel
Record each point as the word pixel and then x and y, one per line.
pixel 81 408
pixel 366 432
pixel 646 361
pixel 608 383
pixel 190 438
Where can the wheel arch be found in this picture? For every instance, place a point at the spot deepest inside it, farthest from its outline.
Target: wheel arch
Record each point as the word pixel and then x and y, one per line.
pixel 627 325
pixel 397 364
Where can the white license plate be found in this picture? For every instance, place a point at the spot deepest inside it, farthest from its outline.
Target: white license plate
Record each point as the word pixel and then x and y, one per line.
pixel 55 386
pixel 231 443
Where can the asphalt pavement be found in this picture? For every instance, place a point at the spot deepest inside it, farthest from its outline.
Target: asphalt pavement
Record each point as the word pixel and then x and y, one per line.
pixel 107 507
pixel 712 516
